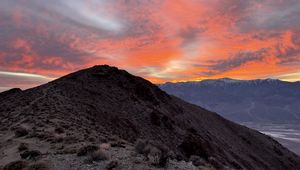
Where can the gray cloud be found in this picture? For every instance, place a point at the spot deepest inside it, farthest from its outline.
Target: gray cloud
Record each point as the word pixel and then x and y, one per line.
pixel 266 35
pixel 288 56
pixel 275 15
pixel 190 34
pixel 42 46
pixel 218 66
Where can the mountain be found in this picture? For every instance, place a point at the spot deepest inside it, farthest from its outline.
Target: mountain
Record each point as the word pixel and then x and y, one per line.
pixel 105 107
pixel 267 101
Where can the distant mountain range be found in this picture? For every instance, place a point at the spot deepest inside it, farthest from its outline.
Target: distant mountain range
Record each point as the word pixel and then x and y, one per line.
pixel 262 100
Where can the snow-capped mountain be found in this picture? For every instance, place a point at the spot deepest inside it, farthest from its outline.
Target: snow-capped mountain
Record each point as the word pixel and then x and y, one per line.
pixel 262 100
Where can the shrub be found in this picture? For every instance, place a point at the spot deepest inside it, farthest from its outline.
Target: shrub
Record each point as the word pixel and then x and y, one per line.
pixel 86 150
pixel 197 160
pixel 59 130
pixel 97 156
pixel 23 147
pixel 92 139
pixel 155 152
pixel 20 131
pixel 33 154
pixel 112 165
pixel 171 155
pixel 154 155
pixel 140 146
pixel 118 143
pixel 16 165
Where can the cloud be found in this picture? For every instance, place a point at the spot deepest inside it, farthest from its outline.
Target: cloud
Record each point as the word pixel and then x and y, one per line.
pixel 25 48
pixel 274 15
pixel 289 56
pixel 21 80
pixel 236 60
pixel 159 40
pixel 190 34
pixel 92 13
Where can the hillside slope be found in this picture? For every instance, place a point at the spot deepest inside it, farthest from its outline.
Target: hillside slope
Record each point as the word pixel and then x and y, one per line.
pixel 96 104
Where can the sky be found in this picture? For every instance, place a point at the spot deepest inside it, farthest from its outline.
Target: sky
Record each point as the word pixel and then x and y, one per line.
pixel 160 40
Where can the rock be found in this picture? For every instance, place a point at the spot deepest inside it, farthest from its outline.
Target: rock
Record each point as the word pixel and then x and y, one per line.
pixel 105 146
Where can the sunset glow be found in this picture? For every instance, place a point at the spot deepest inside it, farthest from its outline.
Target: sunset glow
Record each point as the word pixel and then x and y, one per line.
pixel 162 41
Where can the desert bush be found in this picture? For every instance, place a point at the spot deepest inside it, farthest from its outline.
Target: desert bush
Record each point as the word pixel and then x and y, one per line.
pixel 118 143
pixel 112 165
pixel 96 156
pixel 197 160
pixel 155 152
pixel 86 150
pixel 59 130
pixel 22 147
pixel 154 155
pixel 16 165
pixel 140 146
pixel 171 155
pixel 33 154
pixel 92 139
pixel 66 126
pixel 20 131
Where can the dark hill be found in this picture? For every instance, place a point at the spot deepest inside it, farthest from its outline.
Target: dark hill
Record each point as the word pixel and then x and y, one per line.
pixel 101 102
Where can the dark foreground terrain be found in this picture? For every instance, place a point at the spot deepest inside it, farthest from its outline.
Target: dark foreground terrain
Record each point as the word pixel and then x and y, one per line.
pixel 105 118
